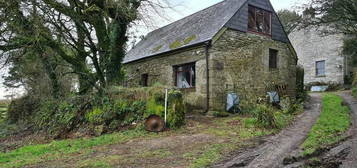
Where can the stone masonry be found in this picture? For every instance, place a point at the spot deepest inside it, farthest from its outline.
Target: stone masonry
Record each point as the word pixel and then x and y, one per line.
pixel 238 62
pixel 311 46
pixel 160 70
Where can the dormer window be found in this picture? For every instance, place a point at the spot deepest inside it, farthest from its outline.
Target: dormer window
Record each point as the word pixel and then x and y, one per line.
pixel 259 20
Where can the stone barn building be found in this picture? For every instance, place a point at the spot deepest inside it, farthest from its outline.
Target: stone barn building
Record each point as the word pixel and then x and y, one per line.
pixel 234 46
pixel 321 56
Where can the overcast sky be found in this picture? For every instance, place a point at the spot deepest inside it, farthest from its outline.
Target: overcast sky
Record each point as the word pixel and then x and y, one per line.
pixel 183 8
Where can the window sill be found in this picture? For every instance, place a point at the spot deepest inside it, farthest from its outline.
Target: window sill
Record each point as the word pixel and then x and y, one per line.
pixel 320 76
pixel 192 89
pixel 260 33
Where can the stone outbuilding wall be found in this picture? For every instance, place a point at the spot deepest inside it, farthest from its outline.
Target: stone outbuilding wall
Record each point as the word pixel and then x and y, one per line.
pixel 311 46
pixel 238 62
pixel 160 70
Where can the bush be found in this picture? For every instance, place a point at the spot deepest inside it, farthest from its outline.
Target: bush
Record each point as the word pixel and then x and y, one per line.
pixel 116 113
pixel 282 119
pixel 265 116
pixel 21 109
pixel 118 108
pixel 57 117
pixel 354 92
pixel 300 91
pixel 289 106
pixel 96 116
pixel 154 106
pixel 176 109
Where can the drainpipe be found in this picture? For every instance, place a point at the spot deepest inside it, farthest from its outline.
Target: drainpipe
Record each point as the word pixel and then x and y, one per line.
pixel 207 47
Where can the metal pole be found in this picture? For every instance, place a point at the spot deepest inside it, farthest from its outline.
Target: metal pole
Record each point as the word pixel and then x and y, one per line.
pixel 165 104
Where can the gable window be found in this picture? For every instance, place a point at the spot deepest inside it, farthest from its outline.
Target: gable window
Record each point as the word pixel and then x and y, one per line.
pixel 320 68
pixel 185 75
pixel 259 20
pixel 144 80
pixel 273 59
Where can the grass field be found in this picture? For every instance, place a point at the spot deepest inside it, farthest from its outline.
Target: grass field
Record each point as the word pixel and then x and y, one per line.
pixel 197 145
pixel 333 122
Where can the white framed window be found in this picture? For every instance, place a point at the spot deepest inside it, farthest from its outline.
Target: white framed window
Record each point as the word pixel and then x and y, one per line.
pixel 185 75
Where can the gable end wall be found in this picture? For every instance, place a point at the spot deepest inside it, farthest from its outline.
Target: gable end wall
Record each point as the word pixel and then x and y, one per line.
pixel 240 20
pixel 239 63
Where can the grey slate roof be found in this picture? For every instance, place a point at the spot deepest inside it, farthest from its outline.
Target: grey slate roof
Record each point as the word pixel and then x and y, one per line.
pixel 196 28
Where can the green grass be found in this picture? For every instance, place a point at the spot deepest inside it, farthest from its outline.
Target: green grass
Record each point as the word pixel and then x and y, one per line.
pixel 329 128
pixel 58 149
pixel 211 154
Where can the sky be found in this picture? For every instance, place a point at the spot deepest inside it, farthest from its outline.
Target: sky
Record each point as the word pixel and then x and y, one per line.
pixel 182 8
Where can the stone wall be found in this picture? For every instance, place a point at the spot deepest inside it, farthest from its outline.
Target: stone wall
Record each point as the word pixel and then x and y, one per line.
pixel 239 62
pixel 160 70
pixel 311 46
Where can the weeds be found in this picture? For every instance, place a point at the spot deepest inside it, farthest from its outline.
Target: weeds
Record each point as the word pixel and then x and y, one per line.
pixel 265 116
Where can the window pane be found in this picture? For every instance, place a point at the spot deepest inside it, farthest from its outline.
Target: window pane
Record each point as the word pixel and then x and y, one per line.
pixel 273 58
pixel 251 18
pixel 193 76
pixel 144 80
pixel 259 20
pixel 185 76
pixel 183 80
pixel 267 22
pixel 320 68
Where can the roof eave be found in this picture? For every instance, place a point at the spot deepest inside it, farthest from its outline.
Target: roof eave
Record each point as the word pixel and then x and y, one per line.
pixel 170 51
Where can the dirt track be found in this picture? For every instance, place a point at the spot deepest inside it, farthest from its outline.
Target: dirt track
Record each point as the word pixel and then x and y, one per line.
pixel 351 160
pixel 271 153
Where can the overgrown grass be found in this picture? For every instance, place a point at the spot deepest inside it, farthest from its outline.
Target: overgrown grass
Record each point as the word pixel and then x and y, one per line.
pixel 329 128
pixel 58 149
pixel 211 154
pixel 236 130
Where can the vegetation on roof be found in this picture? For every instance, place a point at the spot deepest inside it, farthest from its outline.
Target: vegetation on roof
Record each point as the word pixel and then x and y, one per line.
pixel 156 49
pixel 176 44
pixel 179 43
pixel 189 39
